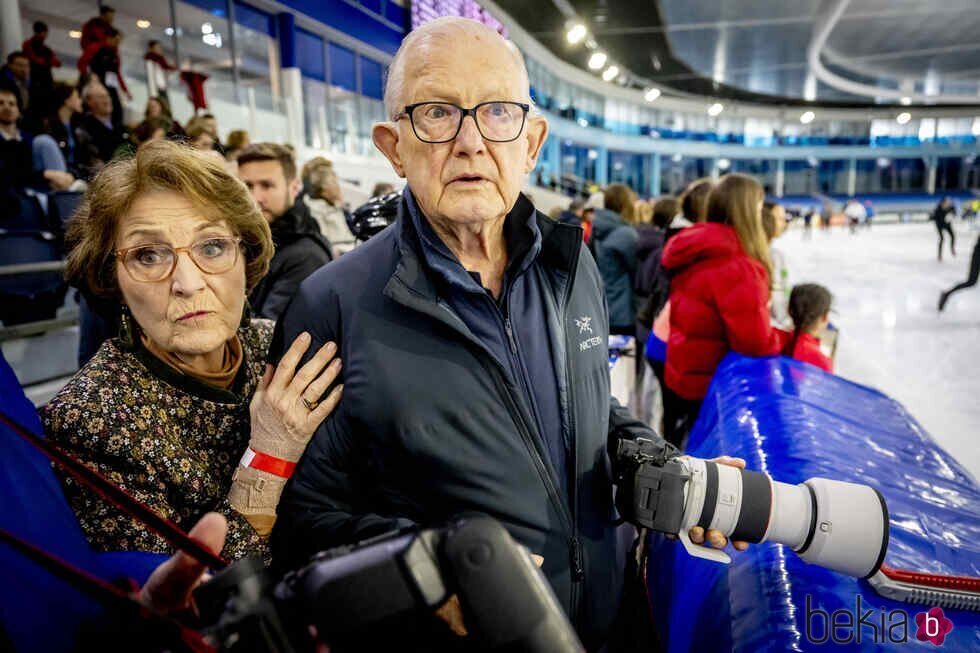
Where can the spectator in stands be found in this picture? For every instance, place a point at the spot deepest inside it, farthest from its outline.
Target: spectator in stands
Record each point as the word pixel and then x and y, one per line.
pixel 159 106
pixel 324 199
pixel 942 218
pixel 774 223
pixel 971 279
pixel 269 172
pixel 97 134
pixel 60 123
pixel 22 165
pixel 42 60
pixel 809 307
pixel 199 135
pixel 382 188
pixel 212 123
pixel 719 296
pixel 158 70
pixel 480 337
pixel 694 206
pixel 238 140
pixel 615 238
pixel 96 30
pixel 16 76
pixel 105 65
pixel 167 409
pixel 148 131
pixel 573 214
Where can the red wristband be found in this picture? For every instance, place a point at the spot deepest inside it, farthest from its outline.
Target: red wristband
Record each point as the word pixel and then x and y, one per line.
pixel 266 463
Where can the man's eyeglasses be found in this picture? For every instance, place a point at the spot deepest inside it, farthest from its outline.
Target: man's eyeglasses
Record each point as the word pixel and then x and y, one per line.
pixel 157 262
pixel 440 122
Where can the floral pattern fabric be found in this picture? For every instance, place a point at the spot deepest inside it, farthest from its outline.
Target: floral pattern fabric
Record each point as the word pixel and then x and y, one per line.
pixel 169 440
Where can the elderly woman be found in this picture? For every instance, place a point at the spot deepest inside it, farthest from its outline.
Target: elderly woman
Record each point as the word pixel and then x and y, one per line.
pixel 169 408
pixel 325 198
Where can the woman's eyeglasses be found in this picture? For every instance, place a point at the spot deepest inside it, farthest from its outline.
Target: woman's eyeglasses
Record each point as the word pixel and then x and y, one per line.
pixel 156 262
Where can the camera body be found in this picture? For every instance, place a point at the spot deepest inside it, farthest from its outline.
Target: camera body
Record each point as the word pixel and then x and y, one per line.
pixel 837 525
pixel 383 593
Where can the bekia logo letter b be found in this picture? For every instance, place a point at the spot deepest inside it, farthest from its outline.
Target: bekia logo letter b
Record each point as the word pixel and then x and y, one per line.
pixel 933 626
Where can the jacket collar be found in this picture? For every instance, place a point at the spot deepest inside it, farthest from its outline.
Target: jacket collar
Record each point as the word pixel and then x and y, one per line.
pixel 296 223
pixel 556 246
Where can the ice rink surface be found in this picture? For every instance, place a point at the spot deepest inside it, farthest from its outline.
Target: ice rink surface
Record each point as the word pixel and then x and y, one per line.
pixel 886 283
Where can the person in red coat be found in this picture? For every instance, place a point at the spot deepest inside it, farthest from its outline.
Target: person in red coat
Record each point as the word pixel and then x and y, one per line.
pixel 719 296
pixel 809 306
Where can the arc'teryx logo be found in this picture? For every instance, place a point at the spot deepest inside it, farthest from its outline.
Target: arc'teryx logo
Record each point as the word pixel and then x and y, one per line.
pixel 584 324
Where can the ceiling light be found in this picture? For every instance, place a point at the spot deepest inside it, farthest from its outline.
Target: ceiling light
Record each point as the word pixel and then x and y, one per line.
pixel 677 158
pixel 652 94
pixel 903 118
pixel 807 117
pixel 610 73
pixel 724 164
pixel 169 31
pixel 716 109
pixel 576 34
pixel 975 129
pixel 597 60
pixel 906 101
pixel 812 161
pixel 583 122
pixel 75 34
pixel 884 162
pixel 142 23
pixel 593 154
pixel 206 28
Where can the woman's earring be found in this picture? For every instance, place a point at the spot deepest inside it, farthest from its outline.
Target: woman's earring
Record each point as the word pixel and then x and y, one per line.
pixel 127 330
pixel 246 316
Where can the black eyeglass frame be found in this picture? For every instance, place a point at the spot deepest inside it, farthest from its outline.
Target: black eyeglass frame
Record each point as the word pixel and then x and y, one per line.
pixel 410 108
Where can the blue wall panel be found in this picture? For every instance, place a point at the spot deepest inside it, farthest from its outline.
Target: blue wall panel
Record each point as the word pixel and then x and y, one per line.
pixel 310 55
pixel 342 72
pixel 352 21
pixel 371 76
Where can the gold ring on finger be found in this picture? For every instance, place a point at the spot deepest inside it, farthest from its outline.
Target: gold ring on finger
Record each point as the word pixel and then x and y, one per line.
pixel 310 404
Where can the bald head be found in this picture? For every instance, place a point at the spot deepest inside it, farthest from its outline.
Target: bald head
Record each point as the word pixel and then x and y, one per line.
pixel 458 41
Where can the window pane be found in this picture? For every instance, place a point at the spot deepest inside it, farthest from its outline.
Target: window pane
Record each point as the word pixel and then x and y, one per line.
pixel 203 37
pixel 342 72
pixel 310 55
pixel 315 113
pixel 371 73
pixel 258 57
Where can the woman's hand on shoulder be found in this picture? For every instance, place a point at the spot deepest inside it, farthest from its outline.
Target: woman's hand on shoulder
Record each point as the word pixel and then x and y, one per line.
pixel 288 405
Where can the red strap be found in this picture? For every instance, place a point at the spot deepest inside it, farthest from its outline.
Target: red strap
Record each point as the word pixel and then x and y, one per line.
pixel 960 583
pixel 266 463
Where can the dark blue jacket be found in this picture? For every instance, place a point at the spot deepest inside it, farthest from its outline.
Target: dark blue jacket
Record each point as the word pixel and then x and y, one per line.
pixel 432 425
pixel 615 243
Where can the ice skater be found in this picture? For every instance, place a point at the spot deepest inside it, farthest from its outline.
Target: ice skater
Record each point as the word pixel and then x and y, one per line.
pixel 971 279
pixel 940 216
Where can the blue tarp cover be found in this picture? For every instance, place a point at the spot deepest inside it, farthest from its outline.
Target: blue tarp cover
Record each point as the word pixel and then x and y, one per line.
pixel 794 422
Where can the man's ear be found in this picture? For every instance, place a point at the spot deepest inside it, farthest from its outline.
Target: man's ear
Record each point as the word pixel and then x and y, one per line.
pixel 385 137
pixel 537 132
pixel 295 186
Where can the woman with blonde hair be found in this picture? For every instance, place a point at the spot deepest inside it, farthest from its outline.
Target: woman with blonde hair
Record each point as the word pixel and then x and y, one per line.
pixel 181 408
pixel 719 297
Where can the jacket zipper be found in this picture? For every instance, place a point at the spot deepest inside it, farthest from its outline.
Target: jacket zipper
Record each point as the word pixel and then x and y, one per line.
pixel 575 546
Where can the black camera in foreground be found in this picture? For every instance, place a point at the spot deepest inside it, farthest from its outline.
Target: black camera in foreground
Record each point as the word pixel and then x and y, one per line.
pixel 383 593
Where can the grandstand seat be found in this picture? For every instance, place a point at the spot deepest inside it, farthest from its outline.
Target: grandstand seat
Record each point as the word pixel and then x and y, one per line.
pixel 38 611
pixel 62 206
pixel 22 212
pixel 794 421
pixel 34 296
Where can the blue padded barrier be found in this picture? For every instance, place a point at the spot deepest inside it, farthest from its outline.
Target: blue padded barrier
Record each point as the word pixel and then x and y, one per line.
pixel 39 612
pixel 794 421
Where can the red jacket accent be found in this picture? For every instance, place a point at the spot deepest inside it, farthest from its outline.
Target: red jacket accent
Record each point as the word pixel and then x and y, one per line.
pixel 807 350
pixel 718 299
pixel 39 54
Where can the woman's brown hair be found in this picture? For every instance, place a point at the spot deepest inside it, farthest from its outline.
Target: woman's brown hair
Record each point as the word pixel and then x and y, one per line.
pixel 694 200
pixel 736 200
pixel 619 198
pixel 160 166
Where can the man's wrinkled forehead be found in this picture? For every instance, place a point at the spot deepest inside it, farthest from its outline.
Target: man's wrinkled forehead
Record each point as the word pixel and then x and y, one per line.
pixel 473 70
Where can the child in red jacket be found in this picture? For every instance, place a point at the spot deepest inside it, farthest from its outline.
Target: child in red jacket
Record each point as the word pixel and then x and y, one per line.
pixel 809 306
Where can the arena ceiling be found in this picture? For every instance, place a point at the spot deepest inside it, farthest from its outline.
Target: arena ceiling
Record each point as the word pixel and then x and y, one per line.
pixel 757 50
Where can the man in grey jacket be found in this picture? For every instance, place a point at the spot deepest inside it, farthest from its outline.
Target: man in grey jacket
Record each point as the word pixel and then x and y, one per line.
pixel 474 338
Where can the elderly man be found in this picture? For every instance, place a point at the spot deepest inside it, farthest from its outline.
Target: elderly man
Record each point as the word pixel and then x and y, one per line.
pixel 474 338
